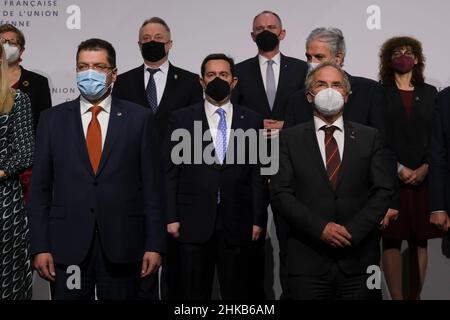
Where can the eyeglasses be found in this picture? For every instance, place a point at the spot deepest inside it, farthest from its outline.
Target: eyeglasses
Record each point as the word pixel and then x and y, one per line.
pixel 97 67
pixel 321 85
pixel 11 42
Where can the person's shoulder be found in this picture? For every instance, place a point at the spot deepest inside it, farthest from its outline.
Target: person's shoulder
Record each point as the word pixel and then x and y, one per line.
pixel 185 111
pixel 360 128
pixel 363 81
pixel 131 73
pixel 131 107
pixel 183 73
pixel 297 131
pixel 247 63
pixel 247 112
pixel 34 76
pixel 428 87
pixel 293 61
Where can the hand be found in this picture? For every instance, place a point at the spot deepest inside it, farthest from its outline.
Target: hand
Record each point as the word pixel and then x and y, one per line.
pixel 150 263
pixel 421 173
pixel 272 127
pixel 440 220
pixel 336 235
pixel 2 175
pixel 256 234
pixel 391 215
pixel 405 174
pixel 43 263
pixel 174 229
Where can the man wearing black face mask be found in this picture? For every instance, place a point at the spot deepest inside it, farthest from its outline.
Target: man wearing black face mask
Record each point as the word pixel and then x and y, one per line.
pixel 266 83
pixel 215 210
pixel 162 87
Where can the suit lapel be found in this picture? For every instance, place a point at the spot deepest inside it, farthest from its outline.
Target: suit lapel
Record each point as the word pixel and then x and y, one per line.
pixel 115 125
pixel 315 154
pixel 282 80
pixel 76 127
pixel 259 84
pixel 237 122
pixel 170 87
pixel 350 140
pixel 140 85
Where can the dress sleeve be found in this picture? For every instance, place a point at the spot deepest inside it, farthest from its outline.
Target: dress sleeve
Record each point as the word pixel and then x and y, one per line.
pixel 20 136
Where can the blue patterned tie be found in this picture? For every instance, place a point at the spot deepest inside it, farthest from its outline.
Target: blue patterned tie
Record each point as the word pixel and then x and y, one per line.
pixel 221 139
pixel 151 90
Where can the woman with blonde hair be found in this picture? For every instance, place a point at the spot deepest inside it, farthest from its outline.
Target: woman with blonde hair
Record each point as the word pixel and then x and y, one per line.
pixel 16 154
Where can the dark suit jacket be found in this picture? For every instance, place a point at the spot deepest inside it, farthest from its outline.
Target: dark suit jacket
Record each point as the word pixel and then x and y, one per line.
pixel 37 89
pixel 302 194
pixel 67 199
pixel 250 91
pixel 182 89
pixel 410 138
pixel 192 188
pixel 365 105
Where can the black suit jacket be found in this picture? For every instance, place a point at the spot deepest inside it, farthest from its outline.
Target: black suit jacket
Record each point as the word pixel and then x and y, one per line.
pixel 365 105
pixel 182 89
pixel 250 91
pixel 124 199
pixel 410 138
pixel 192 188
pixel 37 89
pixel 302 194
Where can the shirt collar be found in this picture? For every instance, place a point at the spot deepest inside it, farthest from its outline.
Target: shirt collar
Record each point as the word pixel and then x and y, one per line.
pixel 164 67
pixel 105 104
pixel 210 109
pixel 319 123
pixel 263 60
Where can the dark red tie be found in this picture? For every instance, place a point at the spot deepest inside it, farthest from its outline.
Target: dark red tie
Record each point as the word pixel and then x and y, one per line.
pixel 94 138
pixel 332 155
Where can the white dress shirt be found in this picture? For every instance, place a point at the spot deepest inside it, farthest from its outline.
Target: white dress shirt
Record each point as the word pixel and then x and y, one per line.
pixel 103 116
pixel 213 118
pixel 275 66
pixel 338 136
pixel 160 79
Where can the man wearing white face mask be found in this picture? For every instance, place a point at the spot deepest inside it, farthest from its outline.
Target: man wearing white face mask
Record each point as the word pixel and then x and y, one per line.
pixel 333 188
pixel 94 200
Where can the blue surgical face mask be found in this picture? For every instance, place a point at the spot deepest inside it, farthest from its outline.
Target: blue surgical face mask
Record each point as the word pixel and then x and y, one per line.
pixel 92 84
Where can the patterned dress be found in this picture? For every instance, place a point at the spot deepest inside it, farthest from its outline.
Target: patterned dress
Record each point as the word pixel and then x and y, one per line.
pixel 16 154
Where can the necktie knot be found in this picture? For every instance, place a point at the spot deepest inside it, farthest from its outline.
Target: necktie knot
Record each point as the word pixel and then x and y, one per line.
pixel 329 130
pixel 95 110
pixel 153 71
pixel 220 112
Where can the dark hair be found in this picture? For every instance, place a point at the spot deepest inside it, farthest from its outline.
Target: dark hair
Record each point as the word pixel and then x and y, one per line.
pixel 218 56
pixel 95 44
pixel 386 74
pixel 10 28
pixel 156 20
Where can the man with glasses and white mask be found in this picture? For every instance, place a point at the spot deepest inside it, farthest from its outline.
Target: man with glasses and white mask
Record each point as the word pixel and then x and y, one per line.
pixel 95 201
pixel 333 188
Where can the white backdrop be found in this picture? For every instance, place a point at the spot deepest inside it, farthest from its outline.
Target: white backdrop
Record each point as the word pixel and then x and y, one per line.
pixel 54 28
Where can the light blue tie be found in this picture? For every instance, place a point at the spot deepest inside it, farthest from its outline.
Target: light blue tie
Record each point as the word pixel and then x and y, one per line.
pixel 271 88
pixel 221 139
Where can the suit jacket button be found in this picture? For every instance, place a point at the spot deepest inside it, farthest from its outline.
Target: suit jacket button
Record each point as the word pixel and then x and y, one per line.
pixel 92 210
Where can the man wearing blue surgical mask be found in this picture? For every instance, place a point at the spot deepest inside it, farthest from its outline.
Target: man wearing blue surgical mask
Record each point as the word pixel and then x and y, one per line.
pixel 94 201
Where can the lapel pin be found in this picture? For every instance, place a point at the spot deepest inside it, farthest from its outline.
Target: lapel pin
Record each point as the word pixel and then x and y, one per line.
pixel 175 76
pixel 352 135
pixel 417 98
pixel 119 114
pixel 242 117
pixel 25 83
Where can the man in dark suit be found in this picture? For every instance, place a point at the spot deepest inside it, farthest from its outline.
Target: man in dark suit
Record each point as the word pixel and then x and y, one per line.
pixel 333 188
pixel 216 202
pixel 174 87
pixel 96 203
pixel 265 85
pixel 439 174
pixel 162 87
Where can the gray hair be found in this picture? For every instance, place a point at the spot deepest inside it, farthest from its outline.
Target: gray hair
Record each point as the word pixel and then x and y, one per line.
pixel 332 36
pixel 310 78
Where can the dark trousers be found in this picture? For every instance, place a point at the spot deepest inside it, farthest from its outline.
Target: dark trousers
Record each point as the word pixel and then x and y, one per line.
pixel 282 229
pixel 334 285
pixel 110 281
pixel 198 262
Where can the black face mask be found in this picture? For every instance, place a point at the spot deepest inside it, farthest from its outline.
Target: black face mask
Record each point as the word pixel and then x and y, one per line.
pixel 153 51
pixel 267 41
pixel 218 89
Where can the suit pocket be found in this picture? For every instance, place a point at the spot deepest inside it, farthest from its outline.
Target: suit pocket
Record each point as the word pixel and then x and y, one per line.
pixel 57 212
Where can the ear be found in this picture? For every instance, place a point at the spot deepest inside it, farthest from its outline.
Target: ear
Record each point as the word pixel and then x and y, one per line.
pixel 253 35
pixel 114 75
pixel 339 58
pixel 309 97
pixel 346 97
pixel 169 45
pixel 282 35
pixel 202 83
pixel 234 82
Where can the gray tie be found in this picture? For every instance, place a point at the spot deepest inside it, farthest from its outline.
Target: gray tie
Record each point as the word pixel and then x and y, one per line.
pixel 271 88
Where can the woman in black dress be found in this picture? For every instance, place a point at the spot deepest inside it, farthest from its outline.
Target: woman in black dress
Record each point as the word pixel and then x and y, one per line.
pixel 409 103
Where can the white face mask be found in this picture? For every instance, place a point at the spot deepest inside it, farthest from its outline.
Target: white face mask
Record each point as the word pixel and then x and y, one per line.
pixel 328 102
pixel 12 52
pixel 312 66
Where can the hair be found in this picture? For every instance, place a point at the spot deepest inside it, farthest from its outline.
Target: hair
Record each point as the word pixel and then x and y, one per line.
pixel 386 74
pixel 6 93
pixel 332 36
pixel 268 12
pixel 217 56
pixel 95 44
pixel 10 28
pixel 311 76
pixel 156 20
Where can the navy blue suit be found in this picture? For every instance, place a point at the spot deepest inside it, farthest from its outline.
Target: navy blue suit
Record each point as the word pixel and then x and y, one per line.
pixel 122 203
